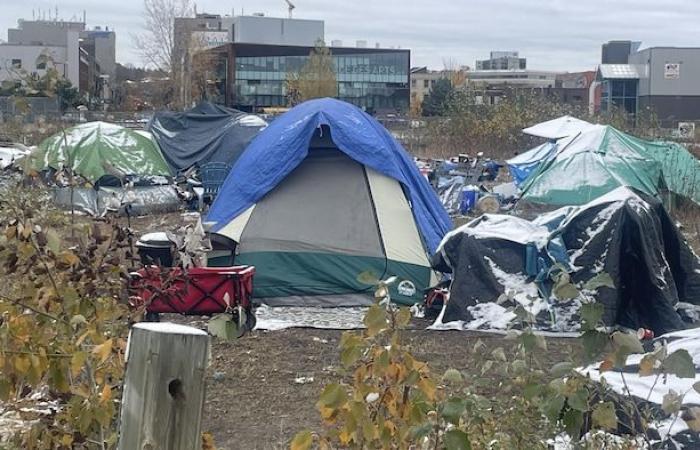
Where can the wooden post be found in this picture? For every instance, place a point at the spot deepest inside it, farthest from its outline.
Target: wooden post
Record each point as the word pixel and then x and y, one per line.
pixel 163 388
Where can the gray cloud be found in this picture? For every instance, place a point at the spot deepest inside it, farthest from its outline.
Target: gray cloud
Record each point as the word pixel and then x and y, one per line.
pixel 552 34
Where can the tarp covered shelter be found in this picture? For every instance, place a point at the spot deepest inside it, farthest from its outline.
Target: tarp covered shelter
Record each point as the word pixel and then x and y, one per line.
pixel 96 149
pixel 524 164
pixel 206 133
pixel 564 126
pixel 680 168
pixel 323 195
pixel 625 234
pixel 591 164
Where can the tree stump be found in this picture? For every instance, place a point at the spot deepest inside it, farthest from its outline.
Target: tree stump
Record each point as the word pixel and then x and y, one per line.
pixel 163 388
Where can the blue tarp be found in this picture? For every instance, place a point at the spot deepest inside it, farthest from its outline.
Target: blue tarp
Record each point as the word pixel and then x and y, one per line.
pixel 526 163
pixel 284 144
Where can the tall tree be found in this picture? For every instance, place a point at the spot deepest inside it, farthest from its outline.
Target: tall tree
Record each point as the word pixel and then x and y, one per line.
pixel 159 45
pixel 315 79
pixel 436 102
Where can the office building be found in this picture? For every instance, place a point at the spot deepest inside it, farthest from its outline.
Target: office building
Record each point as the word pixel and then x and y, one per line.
pixel 663 80
pixel 491 85
pixel 422 81
pixel 502 61
pixel 253 76
pixel 87 58
pixel 577 89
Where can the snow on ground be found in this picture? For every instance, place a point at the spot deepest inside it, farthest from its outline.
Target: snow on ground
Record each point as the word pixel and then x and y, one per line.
pixel 645 387
pixel 283 317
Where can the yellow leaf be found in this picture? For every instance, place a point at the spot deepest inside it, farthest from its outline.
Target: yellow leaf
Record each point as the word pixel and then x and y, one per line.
pixel 67 440
pixel 208 441
pixel 428 387
pixel 77 362
pixel 302 441
pixel 103 350
pixel 646 365
pixel 606 365
pixel 106 394
pixel 344 437
pixel 22 364
pixel 69 258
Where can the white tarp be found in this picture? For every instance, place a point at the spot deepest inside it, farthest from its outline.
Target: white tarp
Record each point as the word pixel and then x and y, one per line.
pixel 562 127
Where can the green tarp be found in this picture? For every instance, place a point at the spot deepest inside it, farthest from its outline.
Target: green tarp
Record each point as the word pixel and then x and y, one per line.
pixel 680 168
pixel 592 164
pixel 96 149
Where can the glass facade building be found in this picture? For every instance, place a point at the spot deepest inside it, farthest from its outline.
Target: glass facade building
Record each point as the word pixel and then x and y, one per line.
pixel 621 94
pixel 373 79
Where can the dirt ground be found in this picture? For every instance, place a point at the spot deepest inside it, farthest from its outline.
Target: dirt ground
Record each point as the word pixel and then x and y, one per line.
pixel 254 402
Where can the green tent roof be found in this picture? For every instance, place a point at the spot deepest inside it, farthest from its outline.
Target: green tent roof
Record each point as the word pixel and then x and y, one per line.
pixel 96 149
pixel 680 168
pixel 592 164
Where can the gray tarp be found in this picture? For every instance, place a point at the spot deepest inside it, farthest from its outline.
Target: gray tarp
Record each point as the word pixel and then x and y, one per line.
pixel 143 200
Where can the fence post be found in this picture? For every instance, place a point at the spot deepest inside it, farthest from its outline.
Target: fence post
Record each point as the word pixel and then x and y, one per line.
pixel 163 388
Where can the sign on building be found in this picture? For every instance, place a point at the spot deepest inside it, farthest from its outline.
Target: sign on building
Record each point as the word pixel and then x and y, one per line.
pixel 210 39
pixel 672 71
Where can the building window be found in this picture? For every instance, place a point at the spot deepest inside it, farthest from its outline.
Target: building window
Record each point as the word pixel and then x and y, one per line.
pixel 426 84
pixel 432 83
pixel 41 62
pixel 17 63
pixel 413 83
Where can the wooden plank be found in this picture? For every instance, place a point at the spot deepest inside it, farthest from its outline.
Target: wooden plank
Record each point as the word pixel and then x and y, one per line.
pixel 163 388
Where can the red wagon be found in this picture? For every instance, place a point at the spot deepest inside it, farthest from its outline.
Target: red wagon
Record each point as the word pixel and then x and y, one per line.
pixel 196 291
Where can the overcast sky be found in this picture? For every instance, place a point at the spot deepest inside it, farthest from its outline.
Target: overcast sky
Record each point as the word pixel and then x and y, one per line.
pixel 552 34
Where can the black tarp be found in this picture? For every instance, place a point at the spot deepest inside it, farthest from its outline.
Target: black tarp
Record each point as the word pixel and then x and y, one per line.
pixel 625 234
pixel 206 133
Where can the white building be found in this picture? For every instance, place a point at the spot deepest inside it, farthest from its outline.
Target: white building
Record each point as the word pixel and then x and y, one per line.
pixel 82 56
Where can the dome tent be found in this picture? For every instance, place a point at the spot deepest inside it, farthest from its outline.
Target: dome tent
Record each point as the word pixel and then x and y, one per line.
pixel 96 149
pixel 323 195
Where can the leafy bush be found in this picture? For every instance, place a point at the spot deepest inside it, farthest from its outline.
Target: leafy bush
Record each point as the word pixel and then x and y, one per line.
pixel 63 323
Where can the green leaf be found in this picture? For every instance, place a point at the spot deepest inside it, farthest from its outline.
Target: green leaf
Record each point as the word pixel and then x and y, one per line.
pixel 532 390
pixel 53 241
pixel 223 326
pixel 418 432
pixel 523 314
pixel 560 369
pixel 457 440
pixel 671 402
pixel 499 355
pixel 302 441
pixel 573 421
pixel 604 416
pixel 591 314
pixel 680 364
pixel 376 320
pixel 603 279
pixel 578 400
pixel 453 409
pixel 333 396
pixel 552 406
pixel 594 342
pixel 519 366
pixel 627 340
pixel 453 376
